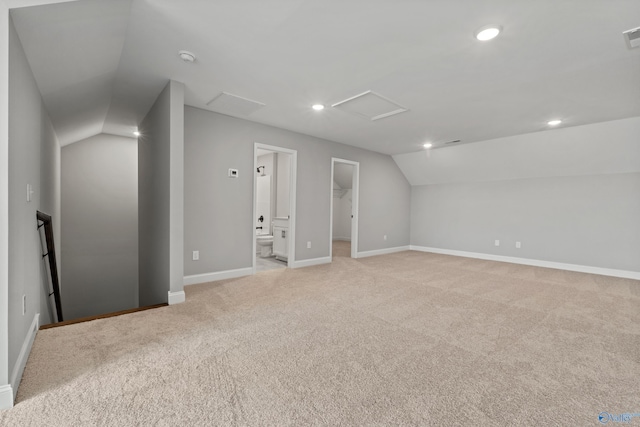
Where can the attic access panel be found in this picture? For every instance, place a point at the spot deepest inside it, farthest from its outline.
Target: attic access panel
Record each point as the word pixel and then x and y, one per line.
pixel 234 105
pixel 370 105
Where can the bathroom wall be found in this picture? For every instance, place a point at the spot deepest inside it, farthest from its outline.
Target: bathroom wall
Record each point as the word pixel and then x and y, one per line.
pixel 219 210
pixel 266 204
pixel 282 185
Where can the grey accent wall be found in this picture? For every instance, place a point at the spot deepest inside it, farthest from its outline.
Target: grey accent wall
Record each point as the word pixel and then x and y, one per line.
pixel 160 197
pixel 569 195
pixel 34 158
pixel 218 209
pixel 584 220
pixel 100 225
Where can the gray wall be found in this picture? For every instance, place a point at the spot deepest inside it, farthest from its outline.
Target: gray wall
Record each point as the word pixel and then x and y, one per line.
pixel 99 225
pixel 34 158
pixel 342 209
pixel 569 196
pixel 6 399
pixel 160 199
pixel 585 220
pixel 218 209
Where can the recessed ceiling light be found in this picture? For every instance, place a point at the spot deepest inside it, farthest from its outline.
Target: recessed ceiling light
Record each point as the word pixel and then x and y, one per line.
pixel 136 133
pixel 488 33
pixel 554 122
pixel 318 107
pixel 428 145
pixel 187 56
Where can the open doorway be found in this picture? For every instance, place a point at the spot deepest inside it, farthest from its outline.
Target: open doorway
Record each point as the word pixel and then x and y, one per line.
pixel 274 202
pixel 343 227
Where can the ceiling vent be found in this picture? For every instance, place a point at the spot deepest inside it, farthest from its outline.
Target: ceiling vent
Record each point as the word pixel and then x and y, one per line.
pixel 370 105
pixel 632 37
pixel 234 105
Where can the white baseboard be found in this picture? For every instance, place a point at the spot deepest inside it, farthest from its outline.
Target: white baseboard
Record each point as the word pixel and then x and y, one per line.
pixel 534 262
pixel 23 356
pixel 218 275
pixel 6 397
pixel 343 239
pixel 312 261
pixel 176 297
pixel 382 251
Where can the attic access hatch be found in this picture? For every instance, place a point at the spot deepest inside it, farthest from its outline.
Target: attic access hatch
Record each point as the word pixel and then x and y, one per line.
pixel 632 37
pixel 234 105
pixel 370 105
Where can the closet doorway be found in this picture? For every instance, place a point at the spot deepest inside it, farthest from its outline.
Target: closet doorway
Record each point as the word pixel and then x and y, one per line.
pixel 343 228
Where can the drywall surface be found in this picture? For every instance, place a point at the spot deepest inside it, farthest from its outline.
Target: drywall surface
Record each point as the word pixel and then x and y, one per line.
pixel 600 148
pixel 100 225
pixel 218 209
pixel 342 209
pixel 569 196
pixel 160 200
pixel 283 180
pixel 587 220
pixel 6 394
pixel 34 159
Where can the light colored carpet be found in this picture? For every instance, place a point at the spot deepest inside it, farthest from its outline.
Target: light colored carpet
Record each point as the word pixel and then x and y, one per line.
pixel 402 339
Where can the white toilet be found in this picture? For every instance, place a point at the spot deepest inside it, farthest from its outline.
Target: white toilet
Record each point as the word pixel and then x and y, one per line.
pixel 264 243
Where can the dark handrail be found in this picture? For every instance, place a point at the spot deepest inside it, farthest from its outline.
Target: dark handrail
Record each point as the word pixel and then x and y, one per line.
pixel 51 253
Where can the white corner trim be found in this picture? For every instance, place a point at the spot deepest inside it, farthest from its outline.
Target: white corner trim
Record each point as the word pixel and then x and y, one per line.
pixel 218 275
pixel 176 297
pixel 534 262
pixel 23 356
pixel 383 251
pixel 312 261
pixel 6 397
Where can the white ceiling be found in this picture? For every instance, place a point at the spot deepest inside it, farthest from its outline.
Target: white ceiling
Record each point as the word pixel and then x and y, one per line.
pixel 100 64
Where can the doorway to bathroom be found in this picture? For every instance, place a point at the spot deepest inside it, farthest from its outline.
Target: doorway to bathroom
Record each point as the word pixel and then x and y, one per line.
pixel 343 228
pixel 274 202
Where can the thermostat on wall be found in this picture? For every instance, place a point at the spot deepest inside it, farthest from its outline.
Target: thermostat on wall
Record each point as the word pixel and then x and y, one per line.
pixel 233 173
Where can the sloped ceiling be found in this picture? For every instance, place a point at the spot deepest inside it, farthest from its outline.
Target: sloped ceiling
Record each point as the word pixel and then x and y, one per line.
pixel 100 64
pixel 343 175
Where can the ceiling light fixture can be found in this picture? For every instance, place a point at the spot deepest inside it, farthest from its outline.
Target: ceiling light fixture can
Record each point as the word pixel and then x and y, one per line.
pixel 318 107
pixel 187 56
pixel 554 122
pixel 428 145
pixel 136 133
pixel 488 32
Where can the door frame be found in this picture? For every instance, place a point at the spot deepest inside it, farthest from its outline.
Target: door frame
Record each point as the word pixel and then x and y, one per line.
pixel 355 196
pixel 293 171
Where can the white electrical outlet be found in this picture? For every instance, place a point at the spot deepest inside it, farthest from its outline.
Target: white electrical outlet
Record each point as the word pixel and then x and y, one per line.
pixel 385 237
pixel 308 245
pixel 24 305
pixel 233 173
pixel 196 255
pixel 497 243
pixel 518 245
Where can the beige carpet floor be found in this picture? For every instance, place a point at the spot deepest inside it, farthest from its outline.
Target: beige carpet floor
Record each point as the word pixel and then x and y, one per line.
pixel 402 339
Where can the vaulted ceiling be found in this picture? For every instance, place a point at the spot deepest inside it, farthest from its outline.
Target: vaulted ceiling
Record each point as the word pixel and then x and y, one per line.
pixel 100 64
